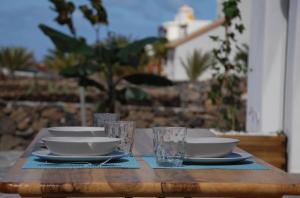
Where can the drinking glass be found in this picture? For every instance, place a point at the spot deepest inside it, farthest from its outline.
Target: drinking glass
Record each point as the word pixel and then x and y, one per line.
pixel 169 143
pixel 100 119
pixel 123 130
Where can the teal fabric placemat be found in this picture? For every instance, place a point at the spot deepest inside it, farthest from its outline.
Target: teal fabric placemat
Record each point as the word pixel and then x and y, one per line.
pixel 34 162
pixel 249 164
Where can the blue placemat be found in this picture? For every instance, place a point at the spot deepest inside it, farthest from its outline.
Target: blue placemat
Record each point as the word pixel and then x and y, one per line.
pixel 34 162
pixel 249 164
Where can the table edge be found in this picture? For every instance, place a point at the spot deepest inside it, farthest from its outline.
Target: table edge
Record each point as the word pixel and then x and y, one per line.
pixel 151 189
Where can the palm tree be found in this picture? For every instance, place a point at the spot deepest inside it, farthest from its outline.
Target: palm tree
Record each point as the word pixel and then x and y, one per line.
pixel 58 60
pixel 14 58
pixel 196 64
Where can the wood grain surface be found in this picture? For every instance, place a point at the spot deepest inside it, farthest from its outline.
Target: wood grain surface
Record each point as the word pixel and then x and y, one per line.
pixel 145 182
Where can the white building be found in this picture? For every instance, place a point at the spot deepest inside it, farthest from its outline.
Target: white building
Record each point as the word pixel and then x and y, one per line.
pixel 197 36
pixel 183 25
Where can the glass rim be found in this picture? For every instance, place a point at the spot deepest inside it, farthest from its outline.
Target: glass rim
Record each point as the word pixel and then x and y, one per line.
pixel 171 127
pixel 106 114
pixel 120 122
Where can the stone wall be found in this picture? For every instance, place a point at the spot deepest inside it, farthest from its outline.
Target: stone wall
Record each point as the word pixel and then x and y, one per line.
pixel 185 104
pixel 20 121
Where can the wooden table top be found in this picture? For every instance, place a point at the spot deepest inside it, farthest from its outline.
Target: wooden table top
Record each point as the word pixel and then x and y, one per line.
pixel 145 181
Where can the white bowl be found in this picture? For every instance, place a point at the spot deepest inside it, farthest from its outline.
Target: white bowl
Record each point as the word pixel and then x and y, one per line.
pixel 209 146
pixel 78 146
pixel 67 131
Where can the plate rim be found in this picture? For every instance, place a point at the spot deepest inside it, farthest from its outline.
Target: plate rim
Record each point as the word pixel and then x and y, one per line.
pixel 215 159
pixel 68 157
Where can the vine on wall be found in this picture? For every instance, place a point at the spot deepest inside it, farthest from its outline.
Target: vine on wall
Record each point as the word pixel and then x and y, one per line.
pixel 225 90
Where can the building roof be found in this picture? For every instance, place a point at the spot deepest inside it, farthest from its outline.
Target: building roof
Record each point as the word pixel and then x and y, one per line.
pixel 195 34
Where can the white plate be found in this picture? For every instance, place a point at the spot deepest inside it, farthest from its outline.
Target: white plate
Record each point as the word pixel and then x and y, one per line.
pixel 68 131
pixel 47 155
pixel 208 147
pixel 81 145
pixel 232 157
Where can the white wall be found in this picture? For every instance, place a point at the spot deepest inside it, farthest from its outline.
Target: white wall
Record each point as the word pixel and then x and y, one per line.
pixel 266 72
pixel 292 87
pixel 274 75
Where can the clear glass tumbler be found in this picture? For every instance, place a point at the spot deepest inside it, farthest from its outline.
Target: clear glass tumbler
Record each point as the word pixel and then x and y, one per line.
pixel 123 130
pixel 100 119
pixel 169 143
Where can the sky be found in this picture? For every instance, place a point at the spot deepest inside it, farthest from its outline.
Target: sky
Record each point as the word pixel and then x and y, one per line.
pixel 19 20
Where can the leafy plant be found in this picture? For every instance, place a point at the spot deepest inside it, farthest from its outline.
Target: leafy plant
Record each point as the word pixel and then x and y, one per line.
pixel 225 89
pixel 106 57
pixel 241 58
pixel 96 15
pixel 14 58
pixel 64 12
pixel 196 64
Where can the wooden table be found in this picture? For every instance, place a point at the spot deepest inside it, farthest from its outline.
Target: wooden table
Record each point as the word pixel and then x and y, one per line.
pixel 145 182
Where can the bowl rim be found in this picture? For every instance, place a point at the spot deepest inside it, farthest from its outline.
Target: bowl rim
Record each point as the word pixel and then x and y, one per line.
pixel 210 140
pixel 81 139
pixel 75 129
